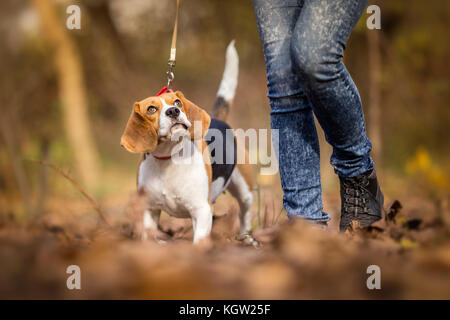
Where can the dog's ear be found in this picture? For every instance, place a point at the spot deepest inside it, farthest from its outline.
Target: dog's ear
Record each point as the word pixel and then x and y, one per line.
pixel 140 135
pixel 197 116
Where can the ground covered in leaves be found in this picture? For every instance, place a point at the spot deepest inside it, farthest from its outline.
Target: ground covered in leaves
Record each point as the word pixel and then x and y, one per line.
pixel 294 260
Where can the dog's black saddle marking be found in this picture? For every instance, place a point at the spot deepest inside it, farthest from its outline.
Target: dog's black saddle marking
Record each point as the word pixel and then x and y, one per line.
pixel 222 166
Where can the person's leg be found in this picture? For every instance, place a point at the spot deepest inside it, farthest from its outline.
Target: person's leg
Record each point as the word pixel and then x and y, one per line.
pixel 291 113
pixel 317 47
pixel 299 163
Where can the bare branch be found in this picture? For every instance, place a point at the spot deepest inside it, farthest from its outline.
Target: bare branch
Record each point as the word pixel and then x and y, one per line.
pixel 94 203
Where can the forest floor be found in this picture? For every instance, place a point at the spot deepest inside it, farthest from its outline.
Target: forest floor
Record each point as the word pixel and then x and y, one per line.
pixel 294 260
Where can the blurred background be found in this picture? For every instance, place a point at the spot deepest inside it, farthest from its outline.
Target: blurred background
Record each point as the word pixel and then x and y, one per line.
pixel 66 96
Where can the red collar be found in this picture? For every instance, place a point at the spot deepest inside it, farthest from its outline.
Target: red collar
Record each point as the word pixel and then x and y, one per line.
pixel 164 90
pixel 162 158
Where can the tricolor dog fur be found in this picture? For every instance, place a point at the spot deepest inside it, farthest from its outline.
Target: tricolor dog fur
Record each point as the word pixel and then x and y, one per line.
pixel 160 124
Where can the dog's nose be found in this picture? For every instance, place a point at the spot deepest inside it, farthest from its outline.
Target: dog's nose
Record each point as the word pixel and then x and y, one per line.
pixel 173 112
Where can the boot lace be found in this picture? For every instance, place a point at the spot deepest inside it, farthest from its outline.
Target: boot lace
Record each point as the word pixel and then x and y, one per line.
pixel 356 196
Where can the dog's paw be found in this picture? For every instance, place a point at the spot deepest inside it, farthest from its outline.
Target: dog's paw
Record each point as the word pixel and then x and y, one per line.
pixel 204 245
pixel 248 239
pixel 155 235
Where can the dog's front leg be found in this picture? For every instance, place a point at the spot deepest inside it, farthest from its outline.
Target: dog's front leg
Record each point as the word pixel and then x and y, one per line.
pixel 201 222
pixel 150 222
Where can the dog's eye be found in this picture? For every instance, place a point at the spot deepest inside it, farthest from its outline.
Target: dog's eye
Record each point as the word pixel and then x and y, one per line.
pixel 151 110
pixel 178 104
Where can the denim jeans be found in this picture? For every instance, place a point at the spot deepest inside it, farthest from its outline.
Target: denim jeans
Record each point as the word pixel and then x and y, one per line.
pixel 303 42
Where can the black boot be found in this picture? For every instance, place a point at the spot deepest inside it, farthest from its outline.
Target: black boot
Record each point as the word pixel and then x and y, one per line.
pixel 361 200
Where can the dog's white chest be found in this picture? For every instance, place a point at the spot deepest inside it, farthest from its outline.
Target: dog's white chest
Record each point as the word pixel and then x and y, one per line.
pixel 177 188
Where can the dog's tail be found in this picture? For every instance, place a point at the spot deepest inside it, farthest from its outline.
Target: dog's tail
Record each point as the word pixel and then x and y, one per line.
pixel 227 88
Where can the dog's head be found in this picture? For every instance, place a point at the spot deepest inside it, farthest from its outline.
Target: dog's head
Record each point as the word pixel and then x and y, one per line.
pixel 162 118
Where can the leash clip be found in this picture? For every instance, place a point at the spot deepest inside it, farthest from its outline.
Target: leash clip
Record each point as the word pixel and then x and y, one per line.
pixel 170 74
pixel 173 49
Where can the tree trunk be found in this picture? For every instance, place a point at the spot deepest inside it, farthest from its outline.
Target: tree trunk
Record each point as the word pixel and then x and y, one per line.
pixel 374 123
pixel 14 153
pixel 72 93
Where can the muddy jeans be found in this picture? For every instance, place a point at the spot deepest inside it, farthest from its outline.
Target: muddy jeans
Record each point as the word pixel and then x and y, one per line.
pixel 303 42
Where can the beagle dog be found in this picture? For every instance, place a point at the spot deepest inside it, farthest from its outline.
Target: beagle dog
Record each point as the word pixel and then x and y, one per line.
pixel 179 142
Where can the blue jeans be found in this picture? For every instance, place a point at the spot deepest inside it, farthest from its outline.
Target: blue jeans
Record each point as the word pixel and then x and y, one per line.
pixel 303 42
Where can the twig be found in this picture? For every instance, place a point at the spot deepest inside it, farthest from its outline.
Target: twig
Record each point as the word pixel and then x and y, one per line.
pixel 45 148
pixel 265 216
pixel 258 193
pixel 94 203
pixel 273 211
pixel 279 214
